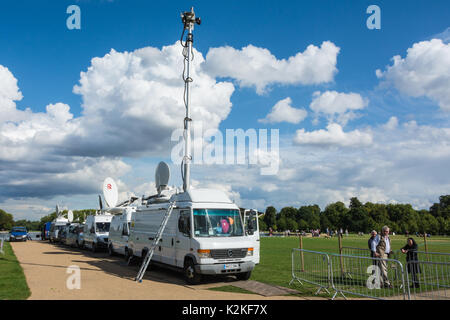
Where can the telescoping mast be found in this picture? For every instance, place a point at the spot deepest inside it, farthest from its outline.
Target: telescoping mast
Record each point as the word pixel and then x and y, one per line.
pixel 197 231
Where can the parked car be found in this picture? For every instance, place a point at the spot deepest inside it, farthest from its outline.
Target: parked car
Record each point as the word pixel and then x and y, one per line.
pixel 18 234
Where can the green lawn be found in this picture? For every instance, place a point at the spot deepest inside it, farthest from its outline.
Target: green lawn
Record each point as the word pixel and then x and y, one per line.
pixel 13 285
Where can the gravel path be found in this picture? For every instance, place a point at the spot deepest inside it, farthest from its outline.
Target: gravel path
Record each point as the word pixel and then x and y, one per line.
pixel 106 278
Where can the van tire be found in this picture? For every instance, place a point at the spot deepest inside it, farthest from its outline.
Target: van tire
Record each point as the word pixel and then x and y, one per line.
pixel 244 276
pixel 190 275
pixel 128 256
pixel 111 250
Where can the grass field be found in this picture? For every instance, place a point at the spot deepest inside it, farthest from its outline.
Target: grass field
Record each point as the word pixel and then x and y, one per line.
pixel 275 265
pixel 13 285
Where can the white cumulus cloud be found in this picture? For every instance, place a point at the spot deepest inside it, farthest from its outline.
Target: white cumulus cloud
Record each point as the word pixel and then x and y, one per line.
pixel 282 111
pixel 425 71
pixel 258 67
pixel 334 135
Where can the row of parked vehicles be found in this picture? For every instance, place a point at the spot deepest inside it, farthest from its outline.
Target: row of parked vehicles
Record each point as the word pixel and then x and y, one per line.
pixel 206 233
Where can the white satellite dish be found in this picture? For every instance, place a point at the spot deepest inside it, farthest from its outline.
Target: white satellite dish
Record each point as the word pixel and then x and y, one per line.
pixel 162 176
pixel 70 216
pixel 110 192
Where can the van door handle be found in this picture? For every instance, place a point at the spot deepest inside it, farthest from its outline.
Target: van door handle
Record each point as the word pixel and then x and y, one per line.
pixel 172 242
pixel 150 238
pixel 178 241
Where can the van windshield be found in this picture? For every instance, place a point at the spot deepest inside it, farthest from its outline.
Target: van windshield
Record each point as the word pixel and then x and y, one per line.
pixel 102 226
pixel 217 223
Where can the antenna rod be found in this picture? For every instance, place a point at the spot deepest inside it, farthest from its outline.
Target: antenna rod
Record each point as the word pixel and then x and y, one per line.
pixel 188 19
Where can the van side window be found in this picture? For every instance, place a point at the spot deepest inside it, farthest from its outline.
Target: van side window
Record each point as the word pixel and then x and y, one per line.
pixel 184 223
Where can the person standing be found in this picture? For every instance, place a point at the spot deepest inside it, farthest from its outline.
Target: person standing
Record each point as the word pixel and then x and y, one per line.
pixel 373 242
pixel 383 249
pixel 412 261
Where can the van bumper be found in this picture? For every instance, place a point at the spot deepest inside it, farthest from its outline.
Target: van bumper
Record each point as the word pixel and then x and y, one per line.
pixel 219 268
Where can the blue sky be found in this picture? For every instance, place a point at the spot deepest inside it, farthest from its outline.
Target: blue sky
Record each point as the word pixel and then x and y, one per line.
pixel 46 59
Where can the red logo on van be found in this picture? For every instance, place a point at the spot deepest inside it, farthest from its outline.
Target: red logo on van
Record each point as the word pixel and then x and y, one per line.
pixel 108 186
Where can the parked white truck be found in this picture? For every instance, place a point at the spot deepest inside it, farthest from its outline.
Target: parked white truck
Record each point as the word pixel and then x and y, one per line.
pixel 119 232
pixel 204 235
pixel 96 231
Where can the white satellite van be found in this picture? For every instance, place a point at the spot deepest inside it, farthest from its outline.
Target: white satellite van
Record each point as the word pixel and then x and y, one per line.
pixel 56 226
pixel 119 232
pixel 203 236
pixel 96 231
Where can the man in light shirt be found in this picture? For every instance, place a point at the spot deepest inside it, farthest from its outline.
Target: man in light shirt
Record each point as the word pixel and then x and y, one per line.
pixel 383 249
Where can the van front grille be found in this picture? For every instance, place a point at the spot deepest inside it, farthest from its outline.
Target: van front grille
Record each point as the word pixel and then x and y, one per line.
pixel 228 253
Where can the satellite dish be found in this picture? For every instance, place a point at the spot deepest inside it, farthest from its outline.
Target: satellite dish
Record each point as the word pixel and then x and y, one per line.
pixel 70 216
pixel 162 176
pixel 110 192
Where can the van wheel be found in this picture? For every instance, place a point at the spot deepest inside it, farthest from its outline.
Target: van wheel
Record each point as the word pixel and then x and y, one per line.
pixel 190 275
pixel 244 275
pixel 129 258
pixel 110 250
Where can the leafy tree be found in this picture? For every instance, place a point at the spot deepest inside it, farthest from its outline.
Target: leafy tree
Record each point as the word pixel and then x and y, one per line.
pixel 6 220
pixel 281 223
pixel 336 216
pixel 270 217
pixel 291 224
pixel 288 212
pixel 310 214
pixel 262 224
pixel 359 217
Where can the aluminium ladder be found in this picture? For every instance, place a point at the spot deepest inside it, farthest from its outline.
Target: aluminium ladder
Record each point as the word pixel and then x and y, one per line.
pixel 155 242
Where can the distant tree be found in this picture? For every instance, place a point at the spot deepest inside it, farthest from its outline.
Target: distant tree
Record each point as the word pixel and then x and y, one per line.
pixel 310 214
pixel 359 217
pixel 262 224
pixel 6 220
pixel 336 214
pixel 288 212
pixel 270 217
pixel 281 223
pixel 291 224
pixel 428 223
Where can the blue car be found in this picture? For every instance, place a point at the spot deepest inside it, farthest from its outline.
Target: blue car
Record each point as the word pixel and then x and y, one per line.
pixel 18 234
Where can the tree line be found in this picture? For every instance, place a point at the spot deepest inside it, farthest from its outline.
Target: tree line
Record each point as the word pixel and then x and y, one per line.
pixel 358 217
pixel 7 221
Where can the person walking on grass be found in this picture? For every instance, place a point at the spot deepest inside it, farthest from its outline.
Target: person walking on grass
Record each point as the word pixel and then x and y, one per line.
pixel 410 249
pixel 383 250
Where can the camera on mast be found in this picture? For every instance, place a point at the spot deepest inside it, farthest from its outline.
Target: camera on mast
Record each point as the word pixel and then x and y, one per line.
pixel 188 18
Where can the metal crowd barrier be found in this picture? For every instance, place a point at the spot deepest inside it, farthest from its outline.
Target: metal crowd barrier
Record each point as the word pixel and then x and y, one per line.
pixel 363 276
pixel 349 275
pixel 311 267
pixel 428 280
pixel 353 251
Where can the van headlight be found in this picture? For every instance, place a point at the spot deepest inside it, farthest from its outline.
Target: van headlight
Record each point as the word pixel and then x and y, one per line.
pixel 204 253
pixel 249 252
